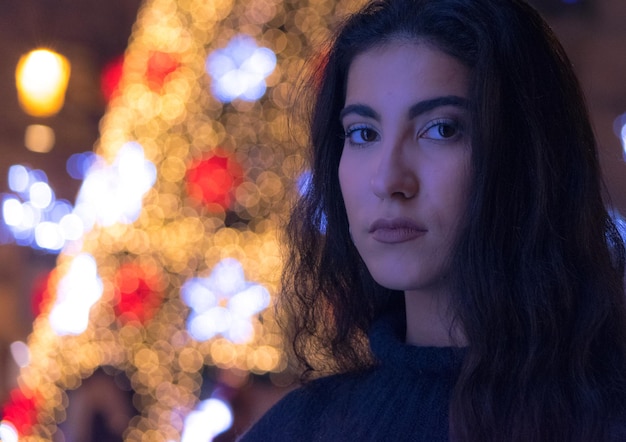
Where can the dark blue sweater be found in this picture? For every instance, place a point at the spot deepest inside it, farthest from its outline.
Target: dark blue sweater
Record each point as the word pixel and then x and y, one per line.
pixel 405 398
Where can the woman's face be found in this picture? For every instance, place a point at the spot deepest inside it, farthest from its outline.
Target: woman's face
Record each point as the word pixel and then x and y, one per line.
pixel 405 166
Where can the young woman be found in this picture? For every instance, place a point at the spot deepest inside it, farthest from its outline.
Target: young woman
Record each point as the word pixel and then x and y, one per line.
pixel 452 261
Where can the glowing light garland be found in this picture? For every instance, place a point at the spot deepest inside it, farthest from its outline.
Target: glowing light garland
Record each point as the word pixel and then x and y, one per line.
pixel 167 114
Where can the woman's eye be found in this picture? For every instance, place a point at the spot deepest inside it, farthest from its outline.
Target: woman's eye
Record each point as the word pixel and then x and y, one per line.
pixel 441 130
pixel 361 135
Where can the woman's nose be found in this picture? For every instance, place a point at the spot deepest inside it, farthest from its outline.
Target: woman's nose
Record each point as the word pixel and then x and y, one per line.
pixel 394 175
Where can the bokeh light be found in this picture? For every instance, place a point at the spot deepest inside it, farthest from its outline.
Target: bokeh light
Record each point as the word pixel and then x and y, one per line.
pixel 619 128
pixel 224 303
pixel 19 413
pixel 18 178
pixel 21 354
pixel 76 292
pixel 239 70
pixel 79 163
pixel 113 193
pixel 111 77
pixel 214 180
pixel 138 293
pixel 171 257
pixel 39 138
pixel 41 78
pixel 211 417
pixel 8 432
pixel 34 216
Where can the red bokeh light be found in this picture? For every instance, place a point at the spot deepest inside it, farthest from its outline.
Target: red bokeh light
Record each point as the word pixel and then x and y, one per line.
pixel 21 411
pixel 138 293
pixel 212 180
pixel 160 66
pixel 110 78
pixel 43 292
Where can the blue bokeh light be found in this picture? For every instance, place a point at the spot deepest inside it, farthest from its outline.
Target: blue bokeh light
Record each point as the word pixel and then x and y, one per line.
pixel 78 164
pixel 239 70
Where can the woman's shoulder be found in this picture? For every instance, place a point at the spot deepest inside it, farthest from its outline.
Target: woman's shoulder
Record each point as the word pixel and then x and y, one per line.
pixel 298 414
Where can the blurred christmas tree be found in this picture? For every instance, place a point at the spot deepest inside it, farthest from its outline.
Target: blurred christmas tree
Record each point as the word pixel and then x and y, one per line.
pixel 179 259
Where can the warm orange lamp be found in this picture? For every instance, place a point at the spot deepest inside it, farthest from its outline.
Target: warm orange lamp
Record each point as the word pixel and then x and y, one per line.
pixel 41 78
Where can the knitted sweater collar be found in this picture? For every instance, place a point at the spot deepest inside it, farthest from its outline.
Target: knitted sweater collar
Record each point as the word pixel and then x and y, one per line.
pixel 387 336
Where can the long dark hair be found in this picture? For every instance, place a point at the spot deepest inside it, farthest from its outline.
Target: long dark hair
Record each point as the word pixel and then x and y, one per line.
pixel 539 264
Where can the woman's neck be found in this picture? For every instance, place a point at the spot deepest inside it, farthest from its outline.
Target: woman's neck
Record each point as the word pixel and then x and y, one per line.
pixel 429 321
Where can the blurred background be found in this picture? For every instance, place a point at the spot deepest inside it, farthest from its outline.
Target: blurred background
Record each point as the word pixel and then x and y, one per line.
pixel 56 148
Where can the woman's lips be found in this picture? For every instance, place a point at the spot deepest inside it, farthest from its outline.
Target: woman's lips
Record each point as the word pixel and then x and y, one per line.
pixel 397 230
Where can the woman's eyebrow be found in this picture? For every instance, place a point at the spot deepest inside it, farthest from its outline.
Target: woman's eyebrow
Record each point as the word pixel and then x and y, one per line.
pixel 414 111
pixel 427 105
pixel 359 109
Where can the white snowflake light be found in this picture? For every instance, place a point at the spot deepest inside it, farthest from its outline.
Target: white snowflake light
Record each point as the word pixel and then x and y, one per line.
pixel 113 193
pixel 211 417
pixel 77 292
pixel 239 70
pixel 223 303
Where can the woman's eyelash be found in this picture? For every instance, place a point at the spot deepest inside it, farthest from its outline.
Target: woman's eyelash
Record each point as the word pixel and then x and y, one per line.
pixel 352 129
pixel 440 129
pixel 363 131
pixel 434 129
